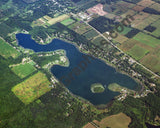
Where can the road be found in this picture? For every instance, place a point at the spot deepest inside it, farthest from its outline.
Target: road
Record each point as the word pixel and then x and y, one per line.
pixel 115 45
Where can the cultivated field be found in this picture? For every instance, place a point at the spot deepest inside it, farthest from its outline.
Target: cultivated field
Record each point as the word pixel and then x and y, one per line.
pixel 137 52
pixel 32 88
pixel 23 70
pixel 120 38
pixel 79 27
pixel 138 8
pixel 58 19
pixel 90 34
pixel 67 21
pixel 146 3
pixel 147 39
pixel 7 51
pixel 147 21
pixel 157 31
pixel 115 121
pixel 155 6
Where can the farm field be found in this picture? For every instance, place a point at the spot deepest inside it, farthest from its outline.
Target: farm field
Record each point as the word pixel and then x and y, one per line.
pixel 155 6
pixel 23 70
pixel 32 88
pixel 120 120
pixel 157 31
pixel 7 51
pixel 67 21
pixel 120 38
pixel 79 27
pixel 90 34
pixel 146 3
pixel 147 39
pixel 152 61
pixel 137 52
pixel 126 30
pixel 147 21
pixel 139 19
pixel 58 19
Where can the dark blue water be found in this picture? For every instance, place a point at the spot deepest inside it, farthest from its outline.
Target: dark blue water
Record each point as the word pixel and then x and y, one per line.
pixel 95 70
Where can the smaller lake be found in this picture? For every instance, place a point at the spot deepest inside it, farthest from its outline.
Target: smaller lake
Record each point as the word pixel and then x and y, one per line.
pixel 96 71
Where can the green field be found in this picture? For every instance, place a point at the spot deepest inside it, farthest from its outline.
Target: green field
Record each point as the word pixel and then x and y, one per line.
pixel 90 34
pixel 137 52
pixel 67 21
pixel 147 39
pixel 32 88
pixel 125 31
pixel 23 70
pixel 7 51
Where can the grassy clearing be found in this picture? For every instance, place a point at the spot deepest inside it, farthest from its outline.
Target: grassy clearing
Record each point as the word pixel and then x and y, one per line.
pixel 58 19
pixel 147 39
pixel 152 62
pixel 23 70
pixel 32 88
pixel 79 27
pixel 120 120
pixel 7 51
pixel 137 52
pixel 126 30
pixel 67 21
pixel 116 121
pixel 90 34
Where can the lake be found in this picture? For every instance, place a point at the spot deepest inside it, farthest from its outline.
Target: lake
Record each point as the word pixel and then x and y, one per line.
pixel 96 71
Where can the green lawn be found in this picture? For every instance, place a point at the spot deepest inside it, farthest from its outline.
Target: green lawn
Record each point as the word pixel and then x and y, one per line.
pixel 23 70
pixel 147 39
pixel 137 52
pixel 7 51
pixel 67 21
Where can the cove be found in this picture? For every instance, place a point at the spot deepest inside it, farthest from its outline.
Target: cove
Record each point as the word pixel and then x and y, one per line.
pixel 96 71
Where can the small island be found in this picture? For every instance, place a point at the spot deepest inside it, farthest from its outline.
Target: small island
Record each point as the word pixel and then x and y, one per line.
pixel 97 88
pixel 115 87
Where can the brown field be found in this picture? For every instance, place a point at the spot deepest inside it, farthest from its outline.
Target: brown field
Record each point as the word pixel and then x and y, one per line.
pixel 124 4
pixel 146 3
pixel 138 8
pixel 139 19
pixel 128 45
pixel 129 12
pixel 98 9
pixel 47 17
pixel 121 39
pixel 110 16
pixel 115 121
pixel 155 6
pixel 147 21
pixel 58 19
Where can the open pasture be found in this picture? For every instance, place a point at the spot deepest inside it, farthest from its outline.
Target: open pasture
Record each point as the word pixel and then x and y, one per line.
pixel 147 21
pixel 90 34
pixel 58 19
pixel 67 22
pixel 155 6
pixel 137 52
pixel 23 70
pixel 147 39
pixel 146 3
pixel 79 27
pixel 32 88
pixel 152 62
pixel 7 51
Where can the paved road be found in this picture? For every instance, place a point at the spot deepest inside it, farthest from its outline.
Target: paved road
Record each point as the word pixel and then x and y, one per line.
pixel 115 45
